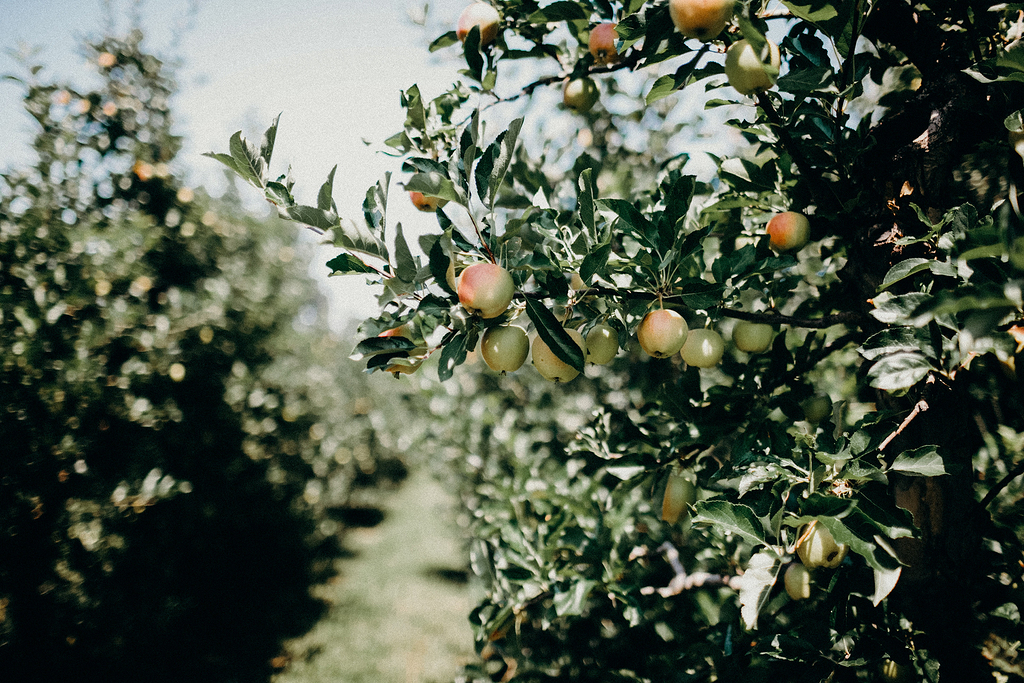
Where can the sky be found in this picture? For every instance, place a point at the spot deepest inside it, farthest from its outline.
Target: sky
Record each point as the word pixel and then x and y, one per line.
pixel 333 69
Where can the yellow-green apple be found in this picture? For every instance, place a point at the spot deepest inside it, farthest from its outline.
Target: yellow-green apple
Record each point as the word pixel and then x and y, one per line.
pixel 817 408
pixel 504 348
pixel 797 580
pixel 485 289
pixel 680 494
pixel 749 72
pixel 580 94
pixel 425 203
pixel 817 548
pixel 602 344
pixel 703 348
pixel 482 15
pixel 788 231
pixel 700 19
pixel 549 365
pixel 752 337
pixel 602 43
pixel 662 333
pixel 576 283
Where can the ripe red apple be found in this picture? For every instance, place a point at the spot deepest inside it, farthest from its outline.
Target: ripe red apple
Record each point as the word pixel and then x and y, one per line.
pixel 680 494
pixel 797 580
pixel 752 337
pixel 504 348
pixel 817 548
pixel 788 231
pixel 580 94
pixel 549 365
pixel 703 348
pixel 662 333
pixel 482 15
pixel 747 71
pixel 602 344
pixel 424 203
pixel 602 44
pixel 486 289
pixel 700 19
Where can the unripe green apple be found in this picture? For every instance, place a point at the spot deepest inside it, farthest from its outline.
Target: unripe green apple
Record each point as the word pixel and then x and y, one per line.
pixel 486 289
pixel 747 71
pixel 602 344
pixel 894 672
pixel 602 44
pixel 504 348
pixel 549 365
pixel 424 203
pixel 680 494
pixel 700 19
pixel 662 333
pixel 817 408
pixel 797 580
pixel 580 94
pixel 703 348
pixel 479 14
pixel 752 337
pixel 576 283
pixel 788 231
pixel 817 548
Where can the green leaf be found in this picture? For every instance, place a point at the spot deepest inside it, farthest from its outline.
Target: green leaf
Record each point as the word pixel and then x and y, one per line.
pixel 248 161
pixel 344 264
pixel 585 201
pixel 554 335
pixel 573 601
pixel 730 517
pixel 225 159
pixel 920 462
pixel 318 219
pixel 503 158
pixel 899 371
pixel 324 199
pixel 377 345
pixel 416 115
pixel 632 219
pixel 885 582
pixel 903 270
pixel 558 11
pixel 277 193
pixel 349 235
pixel 452 355
pixel 595 262
pixel 444 40
pixel 756 585
pixel 405 265
pixel 435 185
pixel 898 309
pixel 267 143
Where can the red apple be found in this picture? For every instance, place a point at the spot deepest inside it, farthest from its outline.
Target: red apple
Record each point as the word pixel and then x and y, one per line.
pixel 482 15
pixel 486 289
pixel 700 19
pixel 602 44
pixel 424 203
pixel 788 231
pixel 662 333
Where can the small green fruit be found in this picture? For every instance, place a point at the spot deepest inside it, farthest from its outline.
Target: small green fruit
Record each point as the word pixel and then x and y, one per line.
pixel 602 344
pixel 504 348
pixel 703 348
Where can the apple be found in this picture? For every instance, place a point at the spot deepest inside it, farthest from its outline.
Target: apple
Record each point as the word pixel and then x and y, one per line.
pixel 817 408
pixel 424 203
pixel 700 19
pixel 817 548
pixel 746 69
pixel 485 289
pixel 788 231
pixel 797 580
pixel 482 15
pixel 752 337
pixel 504 348
pixel 580 94
pixel 680 494
pixel 602 344
pixel 602 44
pixel 894 672
pixel 576 283
pixel 703 348
pixel 662 333
pixel 550 366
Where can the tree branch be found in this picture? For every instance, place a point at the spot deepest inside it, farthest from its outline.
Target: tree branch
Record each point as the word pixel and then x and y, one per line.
pixel 1003 483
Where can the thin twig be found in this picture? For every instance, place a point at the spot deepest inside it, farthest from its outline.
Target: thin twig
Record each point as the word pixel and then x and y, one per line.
pixel 919 408
pixel 1003 483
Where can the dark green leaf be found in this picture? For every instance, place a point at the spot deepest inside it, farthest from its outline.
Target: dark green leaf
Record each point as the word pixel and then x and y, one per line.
pixel 405 265
pixel 452 355
pixel 920 462
pixel 343 264
pixel 731 517
pixel 554 335
pixel 573 601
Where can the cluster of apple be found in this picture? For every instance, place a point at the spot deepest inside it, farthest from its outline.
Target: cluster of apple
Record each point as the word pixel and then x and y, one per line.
pixel 816 548
pixel 747 69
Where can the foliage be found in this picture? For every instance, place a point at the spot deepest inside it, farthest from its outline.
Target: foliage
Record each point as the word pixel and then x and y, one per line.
pixel 173 452
pixel 892 127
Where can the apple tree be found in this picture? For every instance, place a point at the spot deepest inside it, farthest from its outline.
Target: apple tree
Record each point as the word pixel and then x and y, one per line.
pixel 801 222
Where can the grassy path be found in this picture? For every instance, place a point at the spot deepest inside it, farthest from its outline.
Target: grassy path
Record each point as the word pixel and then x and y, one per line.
pixel 397 615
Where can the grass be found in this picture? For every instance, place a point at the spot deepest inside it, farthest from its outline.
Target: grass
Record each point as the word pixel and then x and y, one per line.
pixel 400 603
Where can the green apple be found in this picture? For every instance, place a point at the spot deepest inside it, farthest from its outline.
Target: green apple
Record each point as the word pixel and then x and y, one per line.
pixel 550 366
pixel 580 94
pixel 703 348
pixel 817 548
pixel 752 337
pixel 486 289
pixel 817 408
pixel 747 71
pixel 700 19
pixel 797 580
pixel 482 15
pixel 602 344
pixel 788 231
pixel 504 348
pixel 662 333
pixel 680 494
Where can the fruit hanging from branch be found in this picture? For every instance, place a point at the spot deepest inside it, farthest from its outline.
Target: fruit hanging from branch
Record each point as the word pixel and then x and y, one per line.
pixel 549 365
pixel 701 19
pixel 662 333
pixel 481 15
pixel 504 347
pixel 486 289
pixel 749 72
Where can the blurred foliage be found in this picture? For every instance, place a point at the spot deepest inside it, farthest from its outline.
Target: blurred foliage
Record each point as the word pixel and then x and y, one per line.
pixel 180 436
